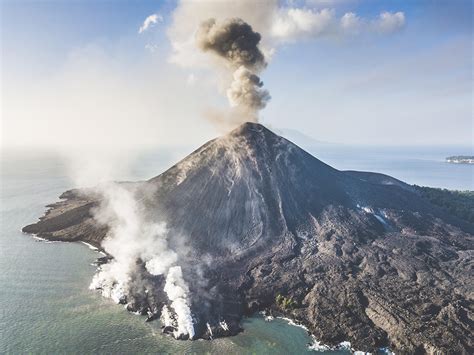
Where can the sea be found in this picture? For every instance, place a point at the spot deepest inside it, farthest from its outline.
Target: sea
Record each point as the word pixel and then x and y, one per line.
pixel 47 308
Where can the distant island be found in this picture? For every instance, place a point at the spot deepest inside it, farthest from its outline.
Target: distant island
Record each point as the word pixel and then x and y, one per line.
pixel 460 159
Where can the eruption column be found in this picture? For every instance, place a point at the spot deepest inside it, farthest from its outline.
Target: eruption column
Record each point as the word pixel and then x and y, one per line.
pixel 234 41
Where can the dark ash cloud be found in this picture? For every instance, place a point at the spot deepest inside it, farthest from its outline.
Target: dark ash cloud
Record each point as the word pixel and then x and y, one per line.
pixel 232 39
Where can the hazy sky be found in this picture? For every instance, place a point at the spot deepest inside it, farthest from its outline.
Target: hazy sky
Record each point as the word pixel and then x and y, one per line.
pixel 127 72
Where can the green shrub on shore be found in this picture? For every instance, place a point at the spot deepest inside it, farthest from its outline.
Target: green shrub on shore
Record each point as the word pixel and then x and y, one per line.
pixel 457 203
pixel 285 303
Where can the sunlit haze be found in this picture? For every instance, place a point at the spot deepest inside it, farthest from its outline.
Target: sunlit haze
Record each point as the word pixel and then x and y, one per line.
pixel 129 74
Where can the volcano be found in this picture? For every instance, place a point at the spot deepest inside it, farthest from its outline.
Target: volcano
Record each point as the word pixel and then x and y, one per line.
pixel 354 256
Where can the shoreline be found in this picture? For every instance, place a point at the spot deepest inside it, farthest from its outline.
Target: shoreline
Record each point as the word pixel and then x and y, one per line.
pixel 315 345
pixel 39 239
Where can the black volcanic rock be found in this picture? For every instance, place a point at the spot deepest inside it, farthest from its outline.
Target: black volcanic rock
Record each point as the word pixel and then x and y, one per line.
pixel 362 256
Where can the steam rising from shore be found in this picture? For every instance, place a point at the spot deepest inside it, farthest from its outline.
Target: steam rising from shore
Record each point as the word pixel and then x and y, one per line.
pixel 133 241
pixel 236 44
pixel 177 291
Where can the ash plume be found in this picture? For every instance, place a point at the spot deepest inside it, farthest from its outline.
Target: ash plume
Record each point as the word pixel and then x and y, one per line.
pixel 232 39
pixel 236 43
pixel 245 90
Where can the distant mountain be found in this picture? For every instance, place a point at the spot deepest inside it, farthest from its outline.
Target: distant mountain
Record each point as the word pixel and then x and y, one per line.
pixel 301 139
pixel 353 256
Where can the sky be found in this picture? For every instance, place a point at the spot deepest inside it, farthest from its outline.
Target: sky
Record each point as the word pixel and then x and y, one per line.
pixel 128 73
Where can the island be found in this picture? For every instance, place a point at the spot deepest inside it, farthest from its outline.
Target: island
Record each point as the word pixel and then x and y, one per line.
pixel 461 159
pixel 256 224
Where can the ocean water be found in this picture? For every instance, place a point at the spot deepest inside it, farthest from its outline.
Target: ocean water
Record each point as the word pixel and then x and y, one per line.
pixel 46 306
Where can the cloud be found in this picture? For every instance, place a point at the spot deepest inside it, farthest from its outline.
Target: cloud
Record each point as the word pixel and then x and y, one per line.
pixel 385 23
pixel 294 23
pixel 389 22
pixel 149 22
pixel 351 23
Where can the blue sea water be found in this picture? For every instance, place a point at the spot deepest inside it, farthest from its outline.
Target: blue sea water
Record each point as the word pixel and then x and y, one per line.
pixel 46 306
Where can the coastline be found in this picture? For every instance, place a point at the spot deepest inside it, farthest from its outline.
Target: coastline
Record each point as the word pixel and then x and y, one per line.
pixel 56 240
pixel 319 346
pixel 316 345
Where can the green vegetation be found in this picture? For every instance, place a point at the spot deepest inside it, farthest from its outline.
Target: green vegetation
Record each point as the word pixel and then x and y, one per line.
pixel 457 203
pixel 285 303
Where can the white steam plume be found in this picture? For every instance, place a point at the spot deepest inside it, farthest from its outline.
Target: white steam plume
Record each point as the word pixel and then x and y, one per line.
pixel 177 292
pixel 133 239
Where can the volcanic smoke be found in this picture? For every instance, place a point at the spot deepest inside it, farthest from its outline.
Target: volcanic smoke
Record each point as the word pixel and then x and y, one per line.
pixel 134 241
pixel 234 41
